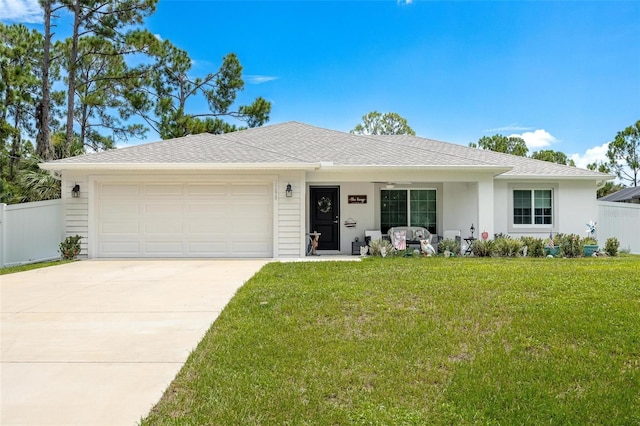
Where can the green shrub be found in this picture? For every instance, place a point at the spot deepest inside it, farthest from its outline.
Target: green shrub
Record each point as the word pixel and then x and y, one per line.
pixel 571 245
pixel 482 248
pixel 507 247
pixel 611 246
pixel 70 247
pixel 449 245
pixel 589 241
pixel 535 246
pixel 376 247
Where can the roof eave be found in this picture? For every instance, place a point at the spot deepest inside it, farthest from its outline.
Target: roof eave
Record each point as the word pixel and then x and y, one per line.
pixel 479 168
pixel 53 166
pixel 556 177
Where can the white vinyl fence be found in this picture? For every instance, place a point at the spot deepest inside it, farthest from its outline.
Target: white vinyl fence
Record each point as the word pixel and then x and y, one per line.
pixel 620 220
pixel 30 232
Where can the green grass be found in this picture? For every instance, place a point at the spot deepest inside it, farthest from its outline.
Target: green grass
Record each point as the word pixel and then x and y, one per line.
pixel 420 341
pixel 30 266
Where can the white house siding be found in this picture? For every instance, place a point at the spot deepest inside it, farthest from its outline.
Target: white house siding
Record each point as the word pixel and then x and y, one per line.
pixel 500 208
pixel 579 205
pixel 362 214
pixel 574 206
pixel 290 239
pixel 76 210
pixel 460 207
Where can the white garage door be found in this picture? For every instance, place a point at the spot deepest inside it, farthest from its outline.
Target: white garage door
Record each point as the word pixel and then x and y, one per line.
pixel 184 220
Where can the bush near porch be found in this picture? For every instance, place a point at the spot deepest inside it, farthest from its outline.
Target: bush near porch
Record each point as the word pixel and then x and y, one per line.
pixel 420 341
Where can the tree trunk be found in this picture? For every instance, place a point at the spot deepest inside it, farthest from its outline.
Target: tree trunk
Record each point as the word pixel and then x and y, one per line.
pixel 71 89
pixel 14 155
pixel 43 109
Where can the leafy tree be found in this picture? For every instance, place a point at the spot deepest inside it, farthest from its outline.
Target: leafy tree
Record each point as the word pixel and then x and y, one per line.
pixel 44 105
pixel 170 86
pixel 111 20
pixel 101 78
pixel 376 123
pixel 624 154
pixel 553 157
pixel 19 53
pixel 609 187
pixel 509 145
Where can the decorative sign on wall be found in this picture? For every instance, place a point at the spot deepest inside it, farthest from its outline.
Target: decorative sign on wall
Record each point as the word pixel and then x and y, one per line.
pixel 357 199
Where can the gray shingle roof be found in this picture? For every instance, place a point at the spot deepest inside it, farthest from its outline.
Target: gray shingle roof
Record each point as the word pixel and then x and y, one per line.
pixel 626 194
pixel 297 143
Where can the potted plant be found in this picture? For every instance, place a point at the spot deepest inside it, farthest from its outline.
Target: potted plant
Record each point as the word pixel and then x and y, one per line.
pixel 590 246
pixel 70 247
pixel 551 248
pixel 590 242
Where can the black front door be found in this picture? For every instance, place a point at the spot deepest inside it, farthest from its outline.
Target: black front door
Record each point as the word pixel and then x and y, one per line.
pixel 325 216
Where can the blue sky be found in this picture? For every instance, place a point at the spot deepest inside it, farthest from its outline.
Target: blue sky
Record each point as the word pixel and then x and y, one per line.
pixel 565 75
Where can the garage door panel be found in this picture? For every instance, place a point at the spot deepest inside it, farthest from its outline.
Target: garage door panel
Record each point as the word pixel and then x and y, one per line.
pixel 208 248
pixel 161 228
pixel 119 228
pixel 162 209
pixel 185 220
pixel 117 191
pixel 218 228
pixel 243 249
pixel 163 190
pixel 206 191
pixel 119 249
pixel 115 209
pixel 163 248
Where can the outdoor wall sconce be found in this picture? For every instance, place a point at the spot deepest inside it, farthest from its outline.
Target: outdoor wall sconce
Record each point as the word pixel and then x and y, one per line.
pixel 75 191
pixel 289 191
pixel 472 229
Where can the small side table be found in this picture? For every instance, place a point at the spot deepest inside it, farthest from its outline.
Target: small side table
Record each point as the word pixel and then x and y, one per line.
pixel 356 245
pixel 312 243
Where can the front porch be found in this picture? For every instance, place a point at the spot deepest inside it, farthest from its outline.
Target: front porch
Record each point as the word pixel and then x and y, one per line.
pixel 343 210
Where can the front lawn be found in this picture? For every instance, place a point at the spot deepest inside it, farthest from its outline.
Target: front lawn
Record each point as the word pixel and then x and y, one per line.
pixel 420 341
pixel 30 266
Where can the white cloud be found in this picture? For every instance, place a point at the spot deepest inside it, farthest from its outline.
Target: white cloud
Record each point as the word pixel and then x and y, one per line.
pixel 515 127
pixel 405 1
pixel 259 79
pixel 537 139
pixel 27 11
pixel 157 36
pixel 591 155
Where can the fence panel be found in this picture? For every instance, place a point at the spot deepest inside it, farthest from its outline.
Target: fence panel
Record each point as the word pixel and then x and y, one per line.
pixel 620 220
pixel 30 232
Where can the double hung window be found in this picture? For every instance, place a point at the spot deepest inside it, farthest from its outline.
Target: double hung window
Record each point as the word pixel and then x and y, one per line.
pixel 408 207
pixel 532 207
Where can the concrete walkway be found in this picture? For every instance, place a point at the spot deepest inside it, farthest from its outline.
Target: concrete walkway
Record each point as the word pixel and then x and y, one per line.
pixel 98 342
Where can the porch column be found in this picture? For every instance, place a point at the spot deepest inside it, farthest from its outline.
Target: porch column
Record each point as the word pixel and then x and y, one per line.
pixel 485 207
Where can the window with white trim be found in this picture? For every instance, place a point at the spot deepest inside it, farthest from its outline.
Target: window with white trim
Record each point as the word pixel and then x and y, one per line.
pixel 408 207
pixel 533 207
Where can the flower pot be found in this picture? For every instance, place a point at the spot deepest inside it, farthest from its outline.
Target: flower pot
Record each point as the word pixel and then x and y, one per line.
pixel 551 251
pixel 590 249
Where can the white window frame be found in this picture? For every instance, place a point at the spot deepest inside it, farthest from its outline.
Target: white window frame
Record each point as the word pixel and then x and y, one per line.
pixel 532 227
pixel 408 190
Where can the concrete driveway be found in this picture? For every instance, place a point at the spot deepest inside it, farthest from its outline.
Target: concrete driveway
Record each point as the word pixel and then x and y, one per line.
pixel 97 342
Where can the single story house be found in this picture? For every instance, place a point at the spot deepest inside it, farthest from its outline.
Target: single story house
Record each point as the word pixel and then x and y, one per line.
pixel 260 192
pixel 626 195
